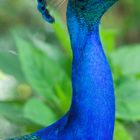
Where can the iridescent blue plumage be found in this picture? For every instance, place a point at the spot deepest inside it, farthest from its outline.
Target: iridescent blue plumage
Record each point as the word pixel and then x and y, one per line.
pixel 92 112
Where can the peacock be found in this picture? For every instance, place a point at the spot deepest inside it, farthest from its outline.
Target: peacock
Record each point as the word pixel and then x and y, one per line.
pixel 92 112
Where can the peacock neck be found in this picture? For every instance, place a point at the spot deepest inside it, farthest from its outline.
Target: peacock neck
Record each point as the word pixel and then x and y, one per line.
pixel 92 111
pixel 91 76
pixel 93 93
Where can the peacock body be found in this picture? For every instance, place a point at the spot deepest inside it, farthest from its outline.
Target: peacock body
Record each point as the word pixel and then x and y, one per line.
pixel 92 112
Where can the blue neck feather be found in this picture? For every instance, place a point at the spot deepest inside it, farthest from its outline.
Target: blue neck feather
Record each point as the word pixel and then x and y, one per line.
pixel 93 103
pixel 92 112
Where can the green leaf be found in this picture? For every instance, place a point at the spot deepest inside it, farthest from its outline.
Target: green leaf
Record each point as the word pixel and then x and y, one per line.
pixel 13 112
pixel 55 53
pixel 126 58
pixel 9 63
pixel 62 34
pixel 120 132
pixel 37 67
pixel 128 100
pixel 36 111
pixel 108 37
pixel 65 100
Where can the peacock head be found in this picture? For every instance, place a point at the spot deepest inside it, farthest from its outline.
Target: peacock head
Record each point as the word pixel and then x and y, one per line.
pixel 88 12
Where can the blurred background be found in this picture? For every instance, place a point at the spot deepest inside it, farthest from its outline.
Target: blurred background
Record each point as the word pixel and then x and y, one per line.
pixel 35 66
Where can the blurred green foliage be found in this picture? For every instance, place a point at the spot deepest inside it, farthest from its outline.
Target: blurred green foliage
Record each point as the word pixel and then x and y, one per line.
pixel 38 57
